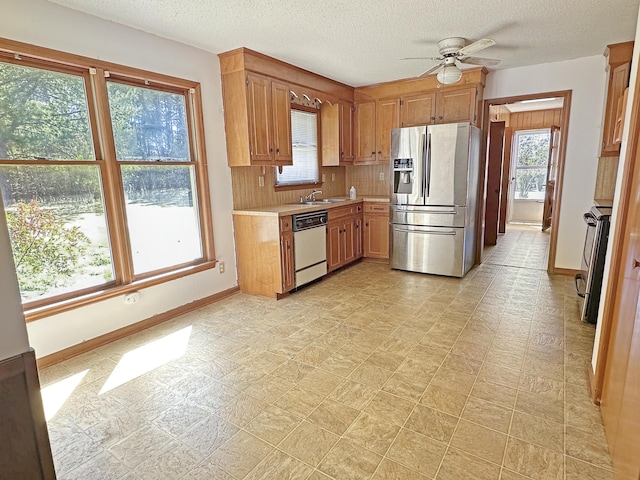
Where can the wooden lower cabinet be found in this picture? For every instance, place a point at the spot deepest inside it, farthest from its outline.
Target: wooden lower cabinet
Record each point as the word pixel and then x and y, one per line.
pixel 344 237
pixel 376 230
pixel 264 250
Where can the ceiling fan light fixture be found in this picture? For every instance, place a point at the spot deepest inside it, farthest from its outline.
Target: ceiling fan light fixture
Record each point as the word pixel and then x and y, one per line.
pixel 449 74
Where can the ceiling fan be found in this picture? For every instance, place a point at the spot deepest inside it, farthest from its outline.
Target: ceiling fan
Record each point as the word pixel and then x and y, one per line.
pixel 455 49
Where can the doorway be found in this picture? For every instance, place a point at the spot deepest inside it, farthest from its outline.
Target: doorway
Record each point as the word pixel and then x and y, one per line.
pixel 524 166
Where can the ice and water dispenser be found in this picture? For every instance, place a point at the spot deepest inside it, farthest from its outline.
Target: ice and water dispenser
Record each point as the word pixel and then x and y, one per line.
pixel 403 175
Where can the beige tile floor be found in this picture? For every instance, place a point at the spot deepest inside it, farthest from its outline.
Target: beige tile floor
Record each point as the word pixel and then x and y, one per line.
pixel 369 374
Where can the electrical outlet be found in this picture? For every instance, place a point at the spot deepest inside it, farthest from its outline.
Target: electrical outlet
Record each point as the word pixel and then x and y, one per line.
pixel 131 298
pixel 221 267
pixel 333 177
pixel 324 178
pixel 261 180
pixel 382 176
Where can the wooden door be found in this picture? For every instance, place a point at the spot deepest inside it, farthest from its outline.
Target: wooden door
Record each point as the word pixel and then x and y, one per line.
pixel 346 133
pixel 552 168
pixel 418 110
pixel 506 180
pixel 334 254
pixel 281 105
pixel 376 236
pixel 365 135
pixel 286 254
pixel 456 106
pixel 387 118
pixel 259 112
pixel 359 237
pixel 619 80
pixel 494 181
pixel 349 240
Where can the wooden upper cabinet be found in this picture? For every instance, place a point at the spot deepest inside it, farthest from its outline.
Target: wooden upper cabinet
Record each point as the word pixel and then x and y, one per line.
pixel 387 118
pixel 457 105
pixel 618 69
pixel 337 134
pixel 281 112
pixel 346 133
pixel 259 113
pixel 365 135
pixel 418 109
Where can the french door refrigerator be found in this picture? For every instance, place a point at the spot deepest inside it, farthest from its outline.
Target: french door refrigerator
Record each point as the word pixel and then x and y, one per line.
pixel 434 200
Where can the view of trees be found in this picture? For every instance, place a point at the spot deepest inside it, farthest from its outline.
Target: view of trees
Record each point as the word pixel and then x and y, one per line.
pixel 55 212
pixel 531 166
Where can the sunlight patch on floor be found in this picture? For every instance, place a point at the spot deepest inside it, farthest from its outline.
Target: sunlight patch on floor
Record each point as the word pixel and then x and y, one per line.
pixel 148 357
pixel 54 395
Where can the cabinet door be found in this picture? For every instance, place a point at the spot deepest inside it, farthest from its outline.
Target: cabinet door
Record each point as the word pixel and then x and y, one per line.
pixel 418 110
pixel 286 254
pixel 456 106
pixel 349 240
pixel 281 105
pixel 618 81
pixel 387 118
pixel 259 112
pixel 334 256
pixel 376 237
pixel 358 237
pixel 346 133
pixel 330 134
pixel 365 138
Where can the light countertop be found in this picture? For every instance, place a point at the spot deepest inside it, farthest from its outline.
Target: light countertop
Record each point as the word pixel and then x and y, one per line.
pixel 295 208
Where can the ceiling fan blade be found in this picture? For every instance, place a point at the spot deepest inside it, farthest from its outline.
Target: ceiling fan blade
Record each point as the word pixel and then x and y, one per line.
pixel 475 47
pixel 430 71
pixel 438 59
pixel 487 62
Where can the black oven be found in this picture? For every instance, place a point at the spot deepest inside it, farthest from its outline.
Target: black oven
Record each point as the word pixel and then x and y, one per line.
pixel 589 280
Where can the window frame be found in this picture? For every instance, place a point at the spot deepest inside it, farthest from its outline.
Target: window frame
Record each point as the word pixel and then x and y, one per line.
pixel 298 186
pixel 516 147
pixel 95 74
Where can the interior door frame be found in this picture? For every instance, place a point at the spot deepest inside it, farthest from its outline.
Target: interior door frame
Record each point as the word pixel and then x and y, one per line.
pixel 564 128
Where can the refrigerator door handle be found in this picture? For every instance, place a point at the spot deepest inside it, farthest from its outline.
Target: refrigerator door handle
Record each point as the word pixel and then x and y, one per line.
pixel 426 232
pixel 401 208
pixel 427 186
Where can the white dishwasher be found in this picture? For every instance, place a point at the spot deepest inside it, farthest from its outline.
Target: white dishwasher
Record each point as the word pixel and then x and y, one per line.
pixel 310 246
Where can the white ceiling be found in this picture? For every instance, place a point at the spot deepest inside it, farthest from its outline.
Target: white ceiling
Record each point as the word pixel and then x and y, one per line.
pixel 530 106
pixel 359 42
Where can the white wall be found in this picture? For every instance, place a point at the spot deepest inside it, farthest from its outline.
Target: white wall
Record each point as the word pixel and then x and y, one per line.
pixel 586 78
pixel 42 23
pixel 633 80
pixel 13 333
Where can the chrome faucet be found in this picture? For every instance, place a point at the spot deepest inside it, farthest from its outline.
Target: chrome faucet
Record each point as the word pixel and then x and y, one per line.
pixel 312 196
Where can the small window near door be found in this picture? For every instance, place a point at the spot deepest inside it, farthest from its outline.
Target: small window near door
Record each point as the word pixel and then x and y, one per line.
pixel 532 156
pixel 304 138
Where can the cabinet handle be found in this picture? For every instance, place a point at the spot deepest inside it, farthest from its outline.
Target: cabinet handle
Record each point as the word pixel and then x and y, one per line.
pixel 636 263
pixel 379 153
pixel 440 117
pixel 277 150
pixel 366 224
pixel 271 150
pixel 373 153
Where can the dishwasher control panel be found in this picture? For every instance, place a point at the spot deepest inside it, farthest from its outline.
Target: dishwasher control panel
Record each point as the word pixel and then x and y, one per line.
pixel 304 221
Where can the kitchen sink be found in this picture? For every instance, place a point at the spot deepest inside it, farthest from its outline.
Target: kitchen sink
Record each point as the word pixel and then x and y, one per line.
pixel 324 201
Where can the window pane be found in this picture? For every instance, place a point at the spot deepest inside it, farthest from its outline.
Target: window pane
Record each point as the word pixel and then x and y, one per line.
pixel 162 215
pixel 148 125
pixel 530 183
pixel 43 115
pixel 533 149
pixel 57 227
pixel 304 137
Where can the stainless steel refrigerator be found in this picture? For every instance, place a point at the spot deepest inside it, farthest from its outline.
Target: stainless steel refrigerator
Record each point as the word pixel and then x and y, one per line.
pixel 434 200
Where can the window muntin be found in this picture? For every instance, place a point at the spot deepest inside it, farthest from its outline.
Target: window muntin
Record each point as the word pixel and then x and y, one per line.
pixel 111 202
pixel 304 139
pixel 43 115
pixel 57 227
pixel 149 125
pixel 162 215
pixel 532 156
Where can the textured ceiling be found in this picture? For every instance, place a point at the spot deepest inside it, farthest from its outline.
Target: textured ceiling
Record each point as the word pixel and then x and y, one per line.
pixel 359 42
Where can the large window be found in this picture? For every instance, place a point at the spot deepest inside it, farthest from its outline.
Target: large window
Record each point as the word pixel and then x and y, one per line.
pixel 532 158
pixel 304 138
pixel 102 176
